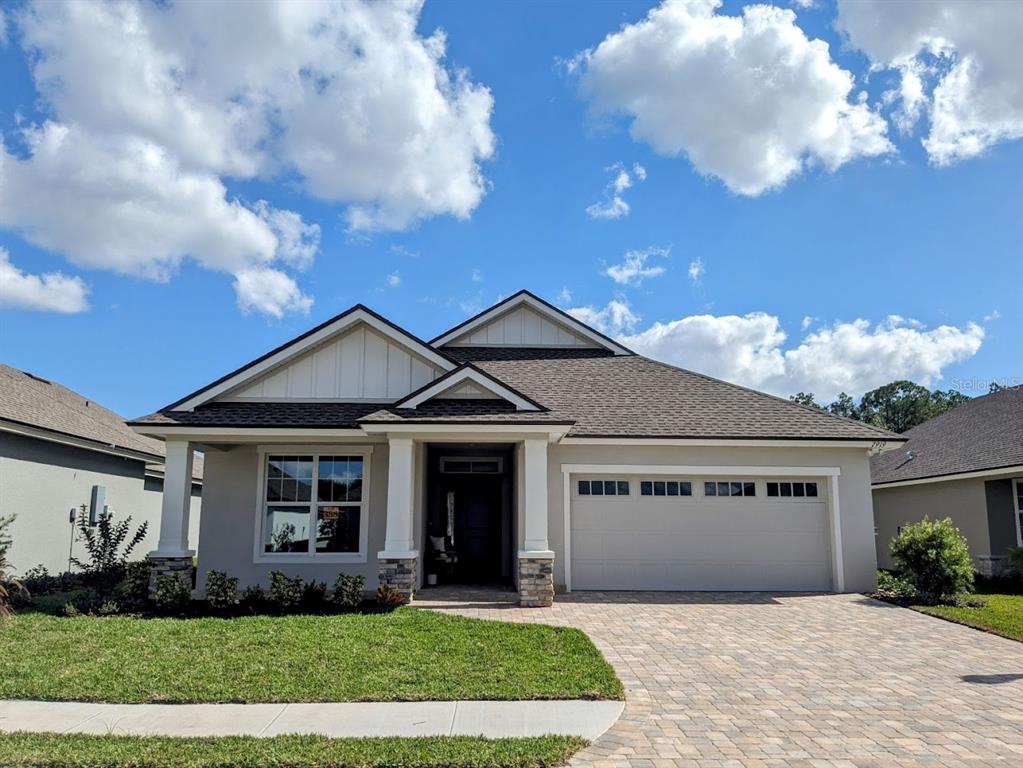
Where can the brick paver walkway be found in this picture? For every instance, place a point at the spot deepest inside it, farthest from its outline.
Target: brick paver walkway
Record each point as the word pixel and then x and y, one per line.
pixel 722 680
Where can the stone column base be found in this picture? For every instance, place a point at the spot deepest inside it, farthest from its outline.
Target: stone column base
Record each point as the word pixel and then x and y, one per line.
pixel 161 565
pixel 400 573
pixel 992 566
pixel 536 579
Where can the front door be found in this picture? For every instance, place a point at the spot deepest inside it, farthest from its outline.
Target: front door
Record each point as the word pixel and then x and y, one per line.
pixel 475 505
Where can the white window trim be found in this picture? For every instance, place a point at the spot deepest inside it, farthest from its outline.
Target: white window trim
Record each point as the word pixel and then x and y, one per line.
pixel 1017 485
pixel 305 558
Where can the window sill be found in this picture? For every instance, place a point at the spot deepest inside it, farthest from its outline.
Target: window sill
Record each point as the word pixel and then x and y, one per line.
pixel 305 559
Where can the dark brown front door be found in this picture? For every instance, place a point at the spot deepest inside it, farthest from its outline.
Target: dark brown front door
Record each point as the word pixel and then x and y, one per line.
pixel 476 501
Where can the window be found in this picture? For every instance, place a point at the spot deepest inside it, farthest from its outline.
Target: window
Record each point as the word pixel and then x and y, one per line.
pixel 1018 484
pixel 665 488
pixel 603 487
pixel 797 489
pixel 721 488
pixel 314 505
pixel 475 466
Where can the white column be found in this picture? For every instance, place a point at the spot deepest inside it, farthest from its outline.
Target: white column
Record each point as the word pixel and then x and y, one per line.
pixel 398 541
pixel 177 501
pixel 838 567
pixel 535 472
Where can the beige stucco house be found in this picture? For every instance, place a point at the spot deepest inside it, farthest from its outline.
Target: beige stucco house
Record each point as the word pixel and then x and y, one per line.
pixel 966 464
pixel 520 447
pixel 59 450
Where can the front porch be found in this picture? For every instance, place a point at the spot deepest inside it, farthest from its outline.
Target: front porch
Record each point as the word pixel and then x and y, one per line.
pixel 404 510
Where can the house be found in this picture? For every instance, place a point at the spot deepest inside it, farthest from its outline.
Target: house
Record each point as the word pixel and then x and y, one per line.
pixel 522 447
pixel 59 450
pixel 966 464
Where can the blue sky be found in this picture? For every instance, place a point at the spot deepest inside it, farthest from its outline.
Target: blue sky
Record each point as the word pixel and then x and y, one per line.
pixel 764 287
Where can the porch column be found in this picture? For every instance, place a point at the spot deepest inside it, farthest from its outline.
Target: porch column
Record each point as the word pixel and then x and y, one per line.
pixel 172 555
pixel 536 560
pixel 398 563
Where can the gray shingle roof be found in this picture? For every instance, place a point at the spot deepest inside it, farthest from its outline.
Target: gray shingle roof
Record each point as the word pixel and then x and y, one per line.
pixel 985 433
pixel 37 402
pixel 600 394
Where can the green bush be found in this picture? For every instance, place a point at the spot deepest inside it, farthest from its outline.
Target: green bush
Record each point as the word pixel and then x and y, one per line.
pixel 172 595
pixel 109 545
pixel 1016 560
pixel 221 590
pixel 10 587
pixel 314 595
pixel 133 591
pixel 349 590
pixel 253 598
pixel 892 585
pixel 935 558
pixel 285 592
pixel 390 597
pixel 39 581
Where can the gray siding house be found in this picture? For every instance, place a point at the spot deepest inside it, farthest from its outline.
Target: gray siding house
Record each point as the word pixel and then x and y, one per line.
pixel 55 447
pixel 520 447
pixel 966 464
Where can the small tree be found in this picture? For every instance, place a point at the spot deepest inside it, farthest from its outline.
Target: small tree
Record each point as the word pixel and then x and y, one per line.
pixel 108 545
pixel 935 557
pixel 9 586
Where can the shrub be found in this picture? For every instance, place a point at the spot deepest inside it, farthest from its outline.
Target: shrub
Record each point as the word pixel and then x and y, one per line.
pixel 134 589
pixel 172 595
pixel 314 595
pixel 85 603
pixel 39 581
pixel 935 558
pixel 892 585
pixel 221 590
pixel 253 598
pixel 390 597
pixel 10 587
pixel 349 590
pixel 1016 560
pixel 108 546
pixel 285 592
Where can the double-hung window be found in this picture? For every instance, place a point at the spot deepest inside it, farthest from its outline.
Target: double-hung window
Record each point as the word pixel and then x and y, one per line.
pixel 315 505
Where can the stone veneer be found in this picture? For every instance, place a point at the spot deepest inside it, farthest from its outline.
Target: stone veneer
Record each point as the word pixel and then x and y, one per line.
pixel 160 566
pixel 400 573
pixel 536 581
pixel 992 566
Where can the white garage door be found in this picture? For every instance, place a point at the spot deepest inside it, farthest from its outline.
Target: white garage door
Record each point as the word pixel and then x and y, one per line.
pixel 692 533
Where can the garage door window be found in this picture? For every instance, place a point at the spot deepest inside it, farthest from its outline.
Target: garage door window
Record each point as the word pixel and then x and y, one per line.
pixel 797 490
pixel 665 488
pixel 603 487
pixel 730 488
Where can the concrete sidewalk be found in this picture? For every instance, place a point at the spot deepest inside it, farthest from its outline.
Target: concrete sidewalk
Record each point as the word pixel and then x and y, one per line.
pixel 493 719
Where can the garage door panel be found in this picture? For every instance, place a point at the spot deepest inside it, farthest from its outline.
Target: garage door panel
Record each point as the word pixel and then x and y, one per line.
pixel 700 543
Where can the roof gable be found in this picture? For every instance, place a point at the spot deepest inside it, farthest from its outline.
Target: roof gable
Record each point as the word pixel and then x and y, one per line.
pixel 357 355
pixel 525 320
pixel 468 383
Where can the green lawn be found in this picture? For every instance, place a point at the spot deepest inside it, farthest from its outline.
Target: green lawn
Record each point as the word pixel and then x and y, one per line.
pixel 406 655
pixel 1002 615
pixel 50 750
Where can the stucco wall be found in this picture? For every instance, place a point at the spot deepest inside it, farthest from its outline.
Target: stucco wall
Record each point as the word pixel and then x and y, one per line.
pixel 228 531
pixel 854 490
pixel 40 481
pixel 1001 516
pixel 962 500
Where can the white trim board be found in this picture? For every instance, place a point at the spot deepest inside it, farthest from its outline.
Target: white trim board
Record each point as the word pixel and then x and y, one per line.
pixel 453 379
pixel 84 443
pixel 731 443
pixel 1014 470
pixel 296 348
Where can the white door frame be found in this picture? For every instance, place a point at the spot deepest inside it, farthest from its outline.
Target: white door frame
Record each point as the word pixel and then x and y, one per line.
pixel 832 473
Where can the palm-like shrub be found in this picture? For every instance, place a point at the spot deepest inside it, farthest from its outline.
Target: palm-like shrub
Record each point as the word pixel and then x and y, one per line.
pixel 9 586
pixel 935 558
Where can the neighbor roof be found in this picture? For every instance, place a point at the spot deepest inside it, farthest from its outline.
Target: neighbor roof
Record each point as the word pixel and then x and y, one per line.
pixel 983 434
pixel 32 401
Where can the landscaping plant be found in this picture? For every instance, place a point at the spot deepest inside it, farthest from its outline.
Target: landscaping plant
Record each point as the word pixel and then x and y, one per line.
pixel 349 590
pixel 172 595
pixel 133 591
pixel 934 557
pixel 314 595
pixel 1016 560
pixel 285 592
pixel 390 597
pixel 893 586
pixel 108 545
pixel 221 590
pixel 252 599
pixel 9 586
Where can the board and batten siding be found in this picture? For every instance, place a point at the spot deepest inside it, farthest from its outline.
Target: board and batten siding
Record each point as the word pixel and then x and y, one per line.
pixel 522 327
pixel 359 365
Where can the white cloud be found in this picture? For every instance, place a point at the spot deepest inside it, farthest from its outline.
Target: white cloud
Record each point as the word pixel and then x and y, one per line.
pixel 269 292
pixel 51 292
pixel 748 99
pixel 614 319
pixel 565 296
pixel 477 276
pixel 393 280
pixel 751 349
pixel 807 321
pixel 696 270
pixel 803 3
pixel 958 62
pixel 994 314
pixel 613 206
pixel 634 270
pixel 3 28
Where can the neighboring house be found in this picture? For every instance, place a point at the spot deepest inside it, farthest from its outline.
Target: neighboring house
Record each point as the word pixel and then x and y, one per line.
pixel 522 447
pixel 55 447
pixel 966 464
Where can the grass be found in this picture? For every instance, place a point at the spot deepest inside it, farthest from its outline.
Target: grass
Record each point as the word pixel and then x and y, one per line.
pixel 1003 614
pixel 51 750
pixel 406 655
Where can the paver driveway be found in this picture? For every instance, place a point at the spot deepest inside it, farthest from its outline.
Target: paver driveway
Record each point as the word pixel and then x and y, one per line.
pixel 756 680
